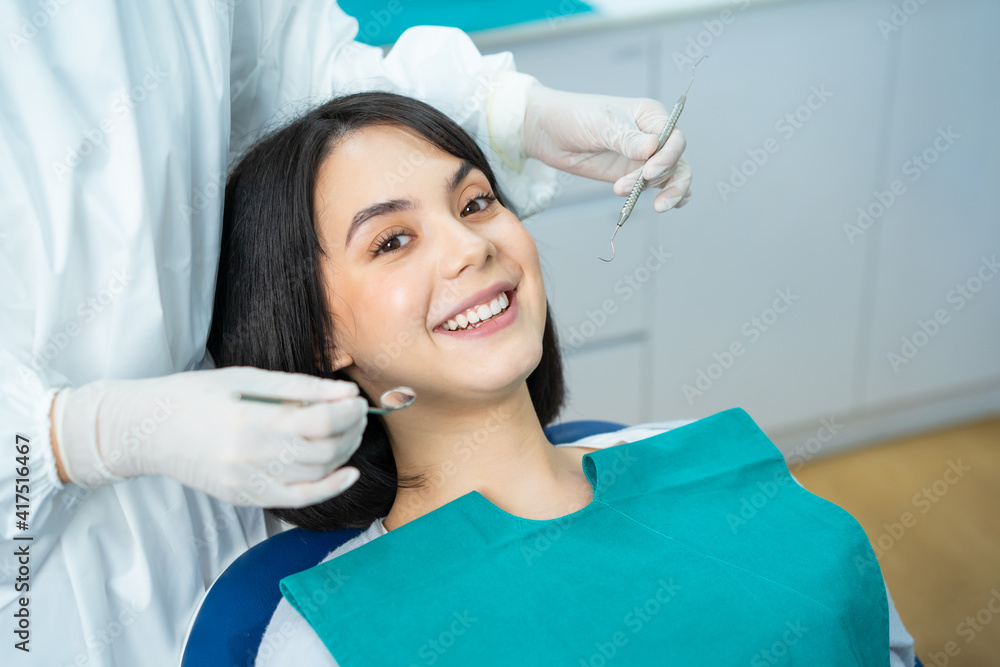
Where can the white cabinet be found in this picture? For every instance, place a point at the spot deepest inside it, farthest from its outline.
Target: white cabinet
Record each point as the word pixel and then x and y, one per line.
pixel 769 300
pixel 783 126
pixel 944 148
pixel 606 383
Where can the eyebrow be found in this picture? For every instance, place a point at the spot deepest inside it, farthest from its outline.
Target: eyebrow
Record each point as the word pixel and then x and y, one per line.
pixel 460 174
pixel 396 205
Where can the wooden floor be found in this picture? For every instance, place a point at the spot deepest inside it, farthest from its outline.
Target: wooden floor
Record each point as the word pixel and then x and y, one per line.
pixel 943 568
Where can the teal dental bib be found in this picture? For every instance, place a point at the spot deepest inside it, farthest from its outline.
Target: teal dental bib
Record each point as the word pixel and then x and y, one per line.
pixel 698 548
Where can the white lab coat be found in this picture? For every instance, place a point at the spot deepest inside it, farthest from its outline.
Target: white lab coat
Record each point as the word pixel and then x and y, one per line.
pixel 118 123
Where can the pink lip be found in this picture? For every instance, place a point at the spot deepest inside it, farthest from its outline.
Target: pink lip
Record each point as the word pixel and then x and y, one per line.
pixel 479 297
pixel 492 325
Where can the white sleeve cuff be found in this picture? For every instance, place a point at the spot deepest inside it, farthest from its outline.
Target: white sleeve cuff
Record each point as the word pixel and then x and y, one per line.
pixel 505 116
pixel 82 461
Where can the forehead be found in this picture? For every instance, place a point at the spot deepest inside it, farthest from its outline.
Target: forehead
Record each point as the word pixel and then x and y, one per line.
pixel 377 163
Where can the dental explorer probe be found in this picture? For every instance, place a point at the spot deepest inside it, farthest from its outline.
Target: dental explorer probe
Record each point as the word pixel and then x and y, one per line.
pixel 393 399
pixel 640 184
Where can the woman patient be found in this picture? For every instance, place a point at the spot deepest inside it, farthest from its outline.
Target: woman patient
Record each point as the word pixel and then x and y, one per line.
pixel 369 241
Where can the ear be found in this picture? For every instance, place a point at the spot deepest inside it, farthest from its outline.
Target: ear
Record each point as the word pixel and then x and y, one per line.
pixel 341 360
pixel 335 355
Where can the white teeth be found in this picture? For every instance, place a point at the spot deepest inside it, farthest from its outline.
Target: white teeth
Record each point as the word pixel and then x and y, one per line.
pixel 473 318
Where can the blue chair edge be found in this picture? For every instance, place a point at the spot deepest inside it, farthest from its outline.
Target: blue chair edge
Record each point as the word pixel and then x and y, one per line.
pixel 247 586
pixel 560 434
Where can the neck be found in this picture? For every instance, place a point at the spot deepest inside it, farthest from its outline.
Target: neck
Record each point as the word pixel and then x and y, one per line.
pixel 498 449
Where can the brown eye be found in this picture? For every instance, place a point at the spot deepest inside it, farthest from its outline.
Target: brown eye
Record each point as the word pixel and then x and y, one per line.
pixel 392 241
pixel 392 244
pixel 478 204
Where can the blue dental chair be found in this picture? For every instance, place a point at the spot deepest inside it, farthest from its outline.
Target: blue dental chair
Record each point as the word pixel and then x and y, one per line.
pixel 230 624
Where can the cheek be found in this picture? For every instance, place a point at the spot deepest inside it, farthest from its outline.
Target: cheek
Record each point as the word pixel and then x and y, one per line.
pixel 388 313
pixel 521 245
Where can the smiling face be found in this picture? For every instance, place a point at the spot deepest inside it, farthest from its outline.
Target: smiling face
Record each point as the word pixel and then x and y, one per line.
pixel 415 248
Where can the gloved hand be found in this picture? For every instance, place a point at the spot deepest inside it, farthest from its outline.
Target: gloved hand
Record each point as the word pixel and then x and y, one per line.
pixel 609 139
pixel 188 427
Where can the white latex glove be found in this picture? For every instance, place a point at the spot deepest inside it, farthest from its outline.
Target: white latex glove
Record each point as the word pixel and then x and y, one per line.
pixel 187 427
pixel 609 139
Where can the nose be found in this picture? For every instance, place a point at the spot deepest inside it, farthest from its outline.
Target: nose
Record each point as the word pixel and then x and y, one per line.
pixel 462 245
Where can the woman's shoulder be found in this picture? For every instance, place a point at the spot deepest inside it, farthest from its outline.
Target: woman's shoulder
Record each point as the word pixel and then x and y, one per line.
pixel 289 639
pixel 376 529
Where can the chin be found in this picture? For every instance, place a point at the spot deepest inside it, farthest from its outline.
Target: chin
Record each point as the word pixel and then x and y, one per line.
pixel 494 377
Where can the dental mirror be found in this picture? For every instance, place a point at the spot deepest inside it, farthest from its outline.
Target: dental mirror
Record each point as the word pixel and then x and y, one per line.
pixel 394 399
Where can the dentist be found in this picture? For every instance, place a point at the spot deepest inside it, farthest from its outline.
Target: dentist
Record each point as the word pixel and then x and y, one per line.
pixel 130 479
